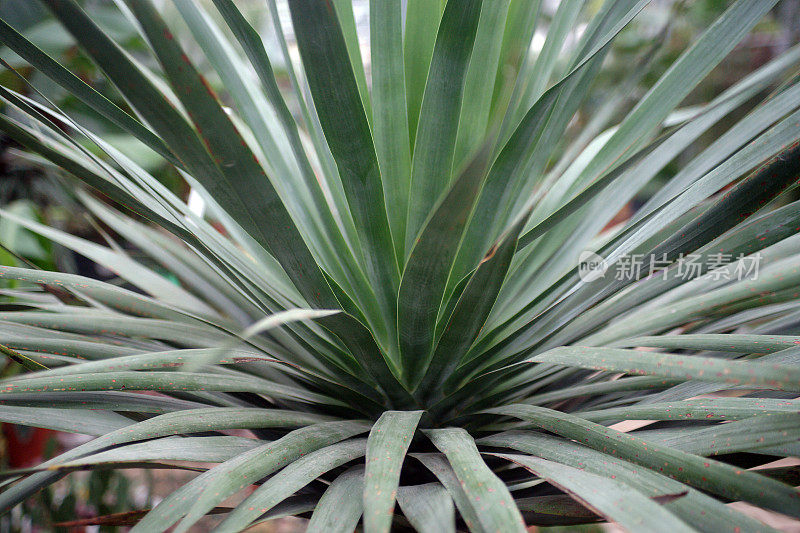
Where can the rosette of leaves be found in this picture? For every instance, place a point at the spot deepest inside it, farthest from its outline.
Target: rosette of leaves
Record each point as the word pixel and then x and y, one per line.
pixel 390 298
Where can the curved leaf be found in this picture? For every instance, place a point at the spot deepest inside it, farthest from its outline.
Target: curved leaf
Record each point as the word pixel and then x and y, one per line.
pixel 616 501
pixel 387 444
pixel 752 373
pixel 428 507
pixel 293 477
pixel 493 504
pixel 340 508
pixel 702 473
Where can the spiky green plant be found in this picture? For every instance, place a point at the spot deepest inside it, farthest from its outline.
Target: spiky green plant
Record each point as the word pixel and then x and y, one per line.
pixel 395 307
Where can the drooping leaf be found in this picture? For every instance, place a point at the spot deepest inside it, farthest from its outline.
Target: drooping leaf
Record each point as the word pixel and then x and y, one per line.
pixel 781 377
pixel 204 492
pixel 616 501
pixel 702 473
pixel 340 507
pixel 493 505
pixel 291 478
pixel 387 444
pixel 428 507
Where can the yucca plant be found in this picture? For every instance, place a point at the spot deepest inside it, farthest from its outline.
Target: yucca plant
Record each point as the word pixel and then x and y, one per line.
pixel 395 298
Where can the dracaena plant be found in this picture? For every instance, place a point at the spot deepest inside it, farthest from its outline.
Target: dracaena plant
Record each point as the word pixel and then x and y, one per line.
pixel 395 297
